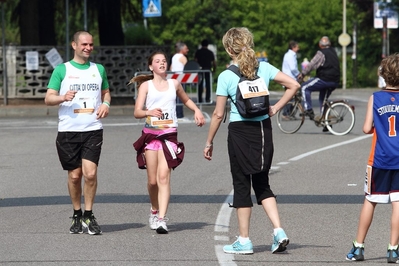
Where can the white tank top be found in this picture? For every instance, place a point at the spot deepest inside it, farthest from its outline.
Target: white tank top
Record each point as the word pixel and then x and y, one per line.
pixel 80 113
pixel 166 100
pixel 177 66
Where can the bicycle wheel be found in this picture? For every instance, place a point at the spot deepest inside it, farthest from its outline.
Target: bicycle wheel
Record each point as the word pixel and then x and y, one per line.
pixel 290 118
pixel 340 118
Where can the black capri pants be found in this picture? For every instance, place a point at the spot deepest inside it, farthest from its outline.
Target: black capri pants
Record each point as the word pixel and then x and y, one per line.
pixel 250 148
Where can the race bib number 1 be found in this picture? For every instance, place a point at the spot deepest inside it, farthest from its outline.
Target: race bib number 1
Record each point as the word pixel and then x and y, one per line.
pixel 86 106
pixel 253 88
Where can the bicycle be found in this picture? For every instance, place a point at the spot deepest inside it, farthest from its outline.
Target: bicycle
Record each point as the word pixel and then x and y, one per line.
pixel 337 116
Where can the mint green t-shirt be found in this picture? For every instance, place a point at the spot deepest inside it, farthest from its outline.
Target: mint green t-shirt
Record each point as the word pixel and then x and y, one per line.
pixel 227 85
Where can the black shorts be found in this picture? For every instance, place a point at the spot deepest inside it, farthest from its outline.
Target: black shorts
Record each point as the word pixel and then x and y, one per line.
pixel 72 147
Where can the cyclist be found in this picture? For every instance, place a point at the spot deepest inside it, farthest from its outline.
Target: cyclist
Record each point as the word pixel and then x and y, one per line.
pixel 326 64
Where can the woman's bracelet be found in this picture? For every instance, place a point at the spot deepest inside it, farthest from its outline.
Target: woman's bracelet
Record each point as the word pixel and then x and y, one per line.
pixel 107 103
pixel 208 146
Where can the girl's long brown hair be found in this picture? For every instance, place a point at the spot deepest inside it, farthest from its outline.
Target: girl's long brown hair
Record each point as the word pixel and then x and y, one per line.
pixel 143 78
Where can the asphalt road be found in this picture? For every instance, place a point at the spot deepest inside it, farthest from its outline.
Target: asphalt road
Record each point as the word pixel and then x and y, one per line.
pixel 317 177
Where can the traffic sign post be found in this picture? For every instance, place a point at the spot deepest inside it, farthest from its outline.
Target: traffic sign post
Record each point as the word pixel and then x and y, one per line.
pixel 152 8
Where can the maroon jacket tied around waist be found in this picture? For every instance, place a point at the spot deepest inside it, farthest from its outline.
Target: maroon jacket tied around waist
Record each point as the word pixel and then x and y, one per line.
pixel 173 159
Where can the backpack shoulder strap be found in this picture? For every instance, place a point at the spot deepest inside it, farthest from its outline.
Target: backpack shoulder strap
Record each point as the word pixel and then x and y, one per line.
pixel 235 69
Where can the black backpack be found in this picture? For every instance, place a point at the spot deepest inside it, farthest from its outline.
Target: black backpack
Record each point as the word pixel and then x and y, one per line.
pixel 256 103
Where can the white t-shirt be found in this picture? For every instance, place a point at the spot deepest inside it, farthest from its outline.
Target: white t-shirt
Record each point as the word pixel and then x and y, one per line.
pixel 177 65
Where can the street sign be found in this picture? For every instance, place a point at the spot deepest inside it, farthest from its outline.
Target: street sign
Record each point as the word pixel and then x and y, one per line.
pixel 380 11
pixel 152 8
pixel 344 39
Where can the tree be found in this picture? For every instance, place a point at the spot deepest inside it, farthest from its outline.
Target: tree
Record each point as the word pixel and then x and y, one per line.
pixel 109 22
pixel 36 22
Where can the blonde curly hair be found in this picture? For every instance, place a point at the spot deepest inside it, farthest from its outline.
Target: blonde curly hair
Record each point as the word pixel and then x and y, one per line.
pixel 239 44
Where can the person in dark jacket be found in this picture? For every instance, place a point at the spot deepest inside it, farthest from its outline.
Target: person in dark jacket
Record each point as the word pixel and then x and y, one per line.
pixel 326 64
pixel 158 150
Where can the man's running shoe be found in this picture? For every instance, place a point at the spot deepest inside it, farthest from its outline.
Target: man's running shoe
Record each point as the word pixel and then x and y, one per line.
pixel 392 255
pixel 280 241
pixel 153 220
pixel 161 225
pixel 356 253
pixel 76 227
pixel 91 225
pixel 238 248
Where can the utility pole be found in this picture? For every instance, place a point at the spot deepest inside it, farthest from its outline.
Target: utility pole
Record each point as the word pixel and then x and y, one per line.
pixel 344 40
pixel 5 77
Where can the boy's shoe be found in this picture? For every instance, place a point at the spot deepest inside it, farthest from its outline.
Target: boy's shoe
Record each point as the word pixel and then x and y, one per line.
pixel 153 220
pixel 356 253
pixel 161 227
pixel 238 248
pixel 91 224
pixel 280 241
pixel 392 256
pixel 76 227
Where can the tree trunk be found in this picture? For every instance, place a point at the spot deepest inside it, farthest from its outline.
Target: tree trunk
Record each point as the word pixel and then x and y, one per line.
pixel 36 22
pixel 46 22
pixel 29 22
pixel 109 22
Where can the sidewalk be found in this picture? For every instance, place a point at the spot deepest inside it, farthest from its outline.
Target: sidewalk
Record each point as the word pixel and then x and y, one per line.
pixel 41 110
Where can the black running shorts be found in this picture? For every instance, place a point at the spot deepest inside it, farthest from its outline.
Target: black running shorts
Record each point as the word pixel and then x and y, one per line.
pixel 72 147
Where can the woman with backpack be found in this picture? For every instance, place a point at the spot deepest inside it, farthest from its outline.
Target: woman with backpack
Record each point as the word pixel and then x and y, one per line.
pixel 250 143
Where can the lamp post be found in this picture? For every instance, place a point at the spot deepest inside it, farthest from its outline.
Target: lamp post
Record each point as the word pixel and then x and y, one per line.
pixel 4 50
pixel 344 40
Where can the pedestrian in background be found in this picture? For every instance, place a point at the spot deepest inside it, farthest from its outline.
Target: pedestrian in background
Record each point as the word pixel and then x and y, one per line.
pixel 206 60
pixel 249 140
pixel 81 90
pixel 290 68
pixel 158 150
pixel 179 60
pixel 290 63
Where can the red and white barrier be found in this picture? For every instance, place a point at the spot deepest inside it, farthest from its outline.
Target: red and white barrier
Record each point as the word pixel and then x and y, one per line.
pixel 184 77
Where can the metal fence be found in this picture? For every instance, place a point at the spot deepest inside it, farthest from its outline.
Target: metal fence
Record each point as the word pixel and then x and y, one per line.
pixel 190 79
pixel 120 62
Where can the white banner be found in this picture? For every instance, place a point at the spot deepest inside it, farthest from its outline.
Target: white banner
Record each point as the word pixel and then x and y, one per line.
pixel 32 60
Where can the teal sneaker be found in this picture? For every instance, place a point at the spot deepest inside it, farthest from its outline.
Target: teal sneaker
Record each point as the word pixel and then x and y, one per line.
pixel 392 255
pixel 280 241
pixel 356 253
pixel 238 248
